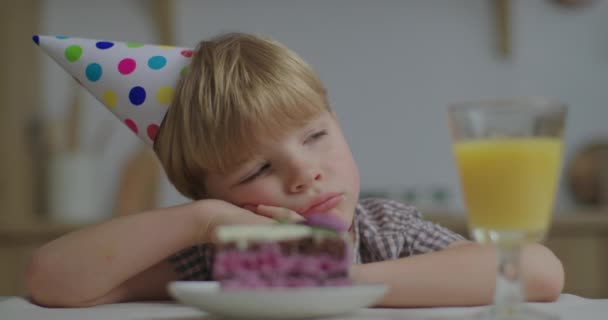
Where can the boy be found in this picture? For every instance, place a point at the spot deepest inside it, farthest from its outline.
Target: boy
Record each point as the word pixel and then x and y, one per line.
pixel 250 137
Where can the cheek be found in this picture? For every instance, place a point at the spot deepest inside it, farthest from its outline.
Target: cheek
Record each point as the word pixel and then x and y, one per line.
pixel 343 161
pixel 347 168
pixel 255 194
pixel 351 174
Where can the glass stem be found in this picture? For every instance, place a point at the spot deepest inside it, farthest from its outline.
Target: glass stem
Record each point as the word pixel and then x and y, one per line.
pixel 509 292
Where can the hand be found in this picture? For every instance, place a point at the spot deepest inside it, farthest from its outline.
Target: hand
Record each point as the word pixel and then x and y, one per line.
pixel 279 214
pixel 215 213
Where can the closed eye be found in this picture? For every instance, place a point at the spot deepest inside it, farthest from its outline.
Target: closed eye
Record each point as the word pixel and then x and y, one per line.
pixel 263 169
pixel 316 136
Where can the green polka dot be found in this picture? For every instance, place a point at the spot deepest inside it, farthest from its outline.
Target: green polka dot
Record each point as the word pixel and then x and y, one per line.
pixel 73 53
pixel 134 44
pixel 184 71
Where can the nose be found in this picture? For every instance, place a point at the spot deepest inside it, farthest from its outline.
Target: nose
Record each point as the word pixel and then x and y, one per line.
pixel 303 177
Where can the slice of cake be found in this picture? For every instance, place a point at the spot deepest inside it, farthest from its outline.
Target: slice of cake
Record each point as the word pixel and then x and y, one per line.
pixel 308 254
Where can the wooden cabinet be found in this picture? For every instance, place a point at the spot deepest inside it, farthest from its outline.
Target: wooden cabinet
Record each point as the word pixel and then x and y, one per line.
pixel 19 87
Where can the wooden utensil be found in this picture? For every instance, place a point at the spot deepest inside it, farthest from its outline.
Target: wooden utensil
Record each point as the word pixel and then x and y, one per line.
pixel 588 175
pixel 139 183
pixel 73 122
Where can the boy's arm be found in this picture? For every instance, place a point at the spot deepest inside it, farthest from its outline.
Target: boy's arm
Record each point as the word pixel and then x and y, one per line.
pixel 124 258
pixel 462 274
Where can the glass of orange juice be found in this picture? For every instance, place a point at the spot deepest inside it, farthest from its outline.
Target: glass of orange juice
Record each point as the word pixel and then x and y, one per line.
pixel 507 154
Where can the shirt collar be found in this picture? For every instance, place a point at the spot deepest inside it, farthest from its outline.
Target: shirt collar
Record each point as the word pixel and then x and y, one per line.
pixel 355 232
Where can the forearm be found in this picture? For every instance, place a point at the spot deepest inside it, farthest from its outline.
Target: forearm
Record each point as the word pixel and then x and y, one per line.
pixel 461 275
pixel 94 260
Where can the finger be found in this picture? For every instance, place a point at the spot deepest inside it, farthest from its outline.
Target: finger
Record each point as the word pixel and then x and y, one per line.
pixel 279 213
pixel 251 207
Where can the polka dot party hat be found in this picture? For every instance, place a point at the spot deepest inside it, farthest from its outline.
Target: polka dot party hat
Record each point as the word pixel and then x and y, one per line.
pixel 134 81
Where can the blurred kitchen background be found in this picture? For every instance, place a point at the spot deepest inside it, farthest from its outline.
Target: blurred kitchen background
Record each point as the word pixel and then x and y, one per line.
pixel 391 68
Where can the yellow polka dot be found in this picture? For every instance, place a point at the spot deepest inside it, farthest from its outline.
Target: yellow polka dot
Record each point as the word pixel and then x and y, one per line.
pixel 166 47
pixel 164 95
pixel 110 99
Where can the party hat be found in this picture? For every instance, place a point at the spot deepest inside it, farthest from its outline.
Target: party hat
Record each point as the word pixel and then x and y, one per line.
pixel 134 81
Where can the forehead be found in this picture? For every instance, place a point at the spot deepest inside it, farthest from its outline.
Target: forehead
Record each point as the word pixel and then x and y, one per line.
pixel 270 136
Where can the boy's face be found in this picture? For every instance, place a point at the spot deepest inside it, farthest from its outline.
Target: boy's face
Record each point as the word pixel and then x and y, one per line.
pixel 309 170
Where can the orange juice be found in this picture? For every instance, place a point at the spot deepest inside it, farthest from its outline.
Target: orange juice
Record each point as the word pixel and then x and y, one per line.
pixel 509 184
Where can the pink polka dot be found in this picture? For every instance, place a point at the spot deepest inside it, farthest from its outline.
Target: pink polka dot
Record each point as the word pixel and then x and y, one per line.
pixel 131 124
pixel 126 66
pixel 187 53
pixel 152 130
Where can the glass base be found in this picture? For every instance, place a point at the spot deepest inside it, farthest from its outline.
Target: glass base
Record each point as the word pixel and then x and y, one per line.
pixel 509 296
pixel 516 312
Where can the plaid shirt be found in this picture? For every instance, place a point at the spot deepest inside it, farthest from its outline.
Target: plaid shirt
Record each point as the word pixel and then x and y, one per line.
pixel 383 230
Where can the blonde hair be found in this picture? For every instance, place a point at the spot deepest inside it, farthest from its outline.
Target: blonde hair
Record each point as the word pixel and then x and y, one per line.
pixel 238 89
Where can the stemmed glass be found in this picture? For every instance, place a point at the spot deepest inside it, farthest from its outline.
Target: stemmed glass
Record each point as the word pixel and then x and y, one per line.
pixel 507 154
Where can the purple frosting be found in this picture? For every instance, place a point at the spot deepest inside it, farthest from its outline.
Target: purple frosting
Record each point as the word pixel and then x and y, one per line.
pixel 325 220
pixel 270 267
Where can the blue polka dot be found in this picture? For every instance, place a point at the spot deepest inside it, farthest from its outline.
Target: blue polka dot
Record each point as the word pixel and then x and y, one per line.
pixel 137 95
pixel 93 72
pixel 62 37
pixel 157 62
pixel 36 39
pixel 104 45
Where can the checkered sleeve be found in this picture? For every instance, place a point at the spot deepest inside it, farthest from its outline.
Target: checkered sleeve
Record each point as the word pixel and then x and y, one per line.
pixel 193 263
pixel 394 230
pixel 424 236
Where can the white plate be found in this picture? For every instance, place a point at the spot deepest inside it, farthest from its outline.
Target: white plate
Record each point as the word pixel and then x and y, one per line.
pixel 277 303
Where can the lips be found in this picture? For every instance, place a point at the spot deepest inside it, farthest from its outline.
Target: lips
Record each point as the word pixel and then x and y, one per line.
pixel 323 203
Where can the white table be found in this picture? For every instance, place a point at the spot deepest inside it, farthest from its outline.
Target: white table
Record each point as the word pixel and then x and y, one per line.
pixel 569 307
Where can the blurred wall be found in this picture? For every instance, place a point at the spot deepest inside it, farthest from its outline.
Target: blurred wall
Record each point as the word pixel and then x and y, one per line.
pixel 391 68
